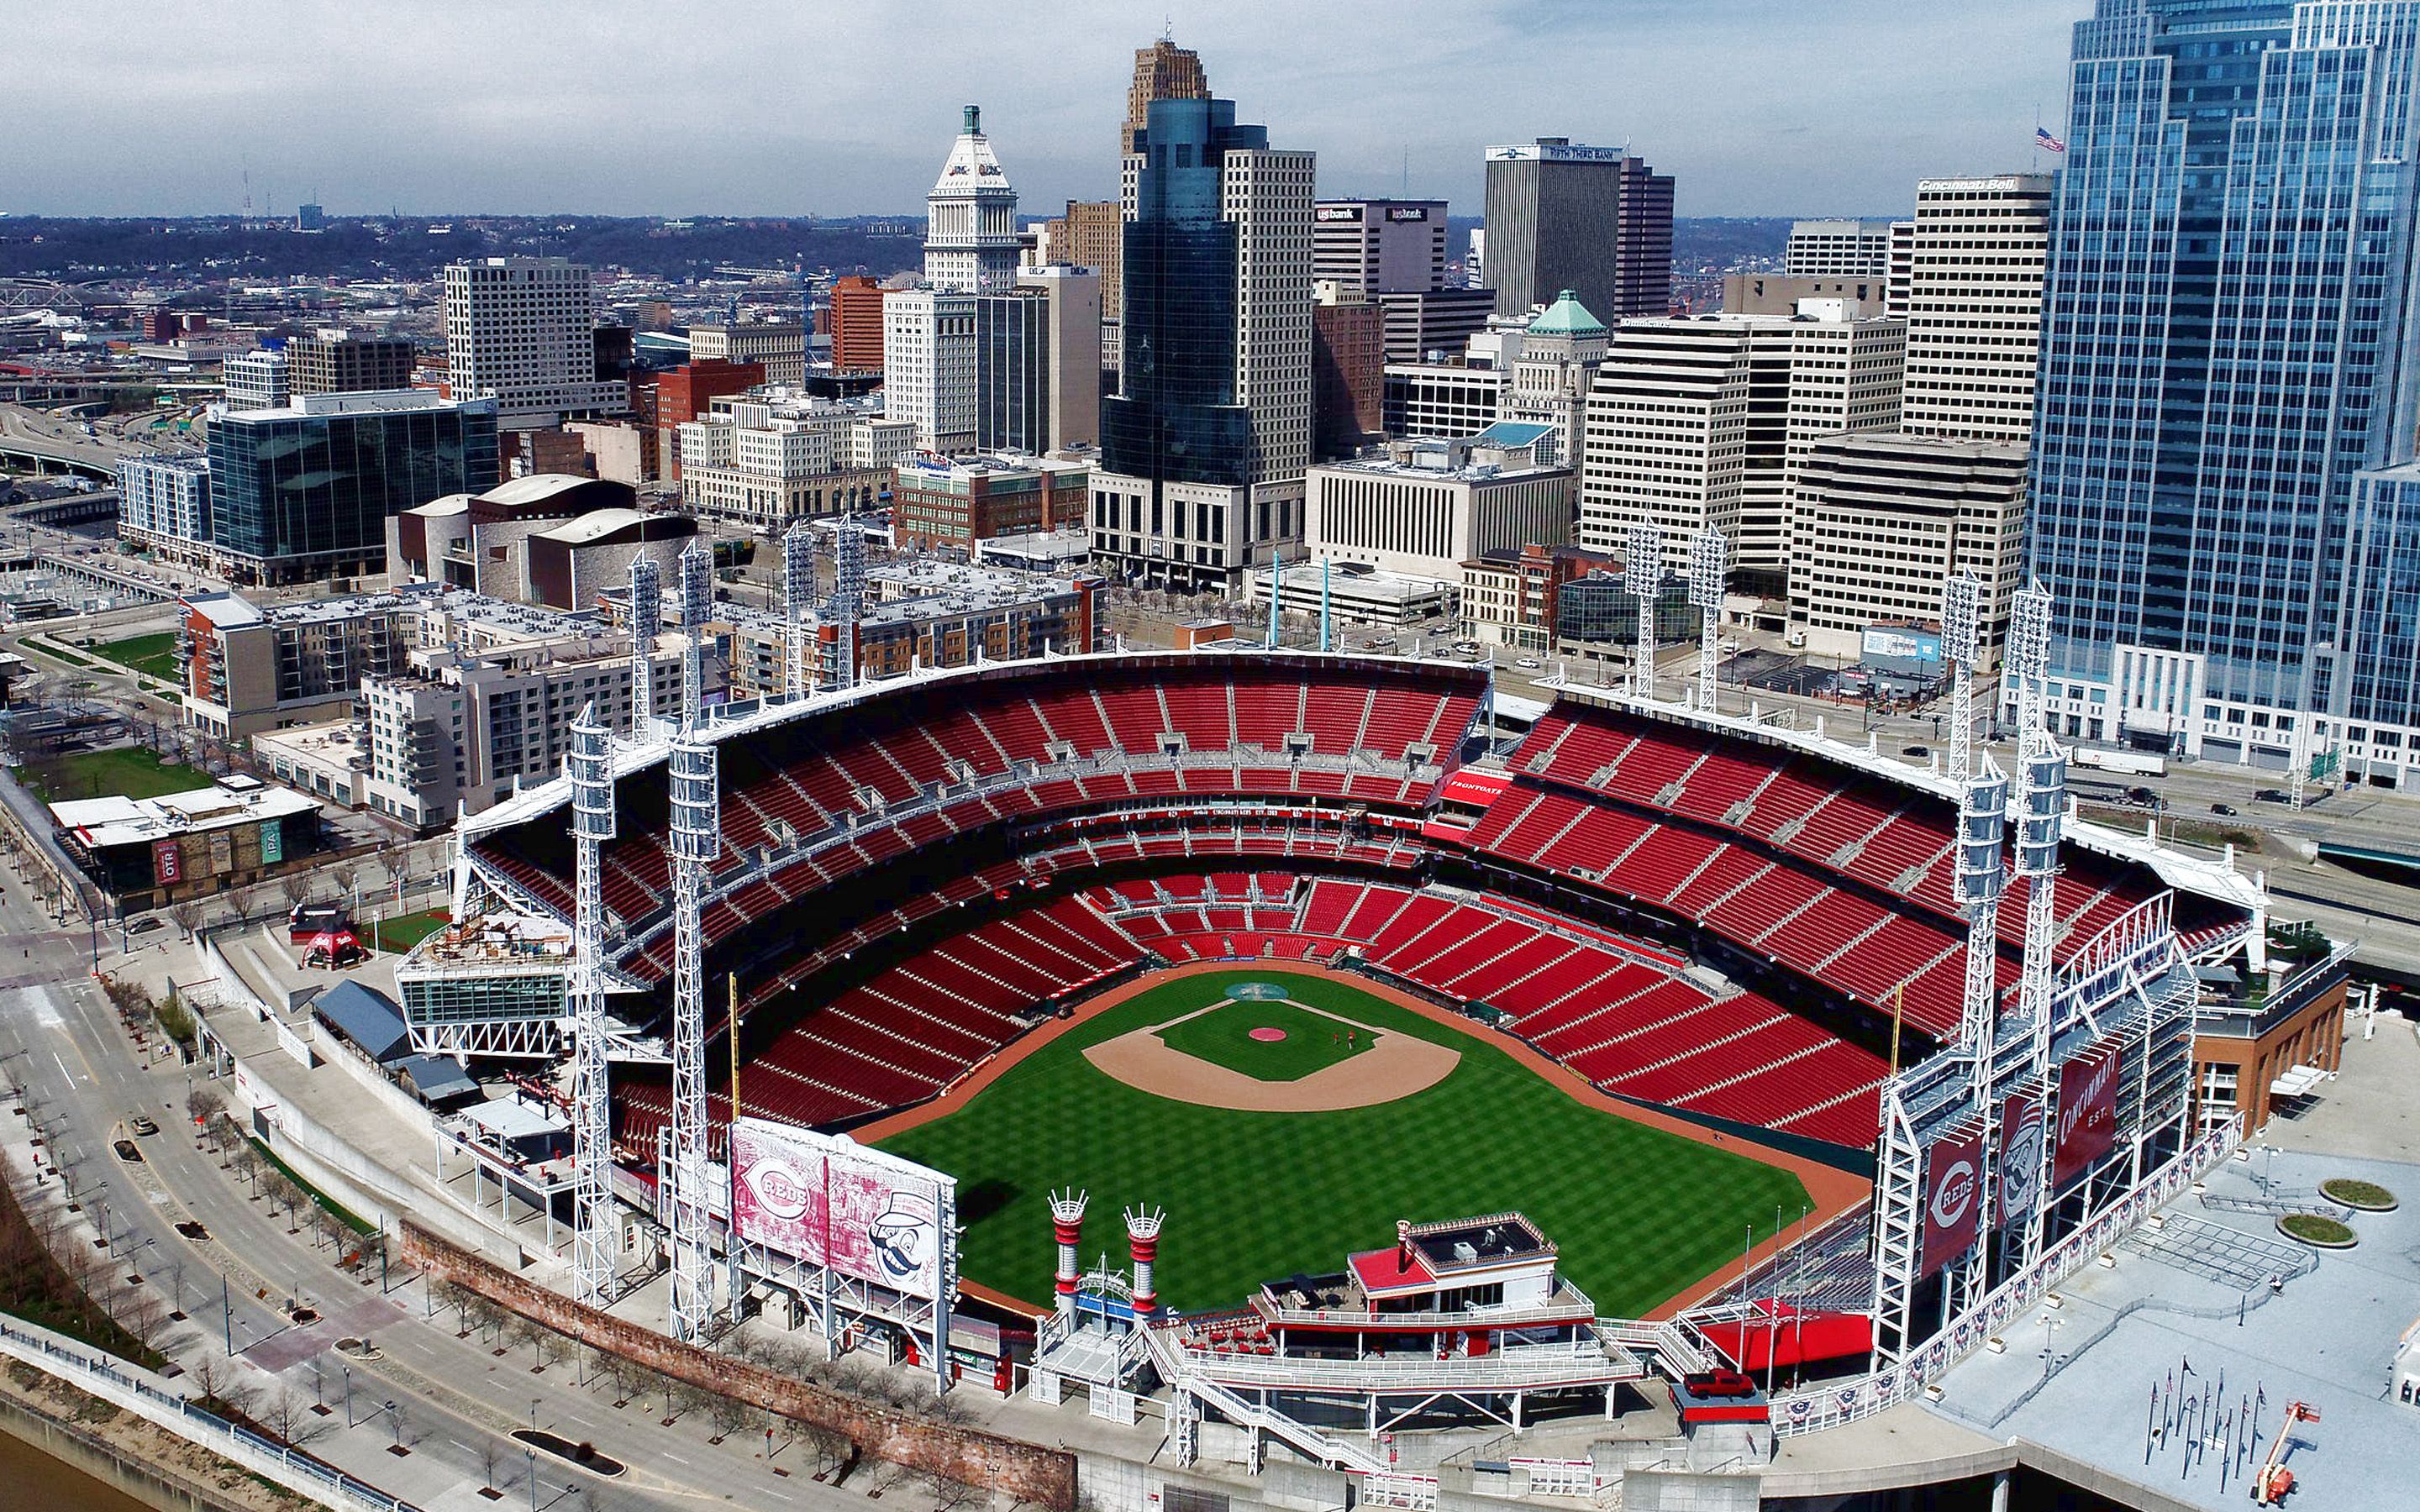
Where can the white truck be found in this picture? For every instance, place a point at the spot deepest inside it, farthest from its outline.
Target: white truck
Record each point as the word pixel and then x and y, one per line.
pixel 2130 762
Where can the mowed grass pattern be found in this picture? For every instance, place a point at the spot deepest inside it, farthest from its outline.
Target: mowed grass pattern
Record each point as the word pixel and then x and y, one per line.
pixel 1223 1037
pixel 1640 1214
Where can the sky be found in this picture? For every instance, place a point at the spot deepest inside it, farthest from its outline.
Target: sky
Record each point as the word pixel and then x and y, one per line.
pixel 846 107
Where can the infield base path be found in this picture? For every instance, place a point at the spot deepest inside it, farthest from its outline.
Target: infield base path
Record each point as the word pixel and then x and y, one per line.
pixel 1396 1065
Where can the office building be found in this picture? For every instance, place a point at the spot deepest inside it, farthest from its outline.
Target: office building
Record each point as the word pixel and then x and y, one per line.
pixel 1348 368
pixel 778 346
pixel 1163 70
pixel 1372 246
pixel 1838 249
pixel 2222 465
pixel 163 506
pixel 856 320
pixel 955 503
pixel 1071 352
pixel 247 667
pixel 204 842
pixel 762 463
pixel 521 331
pixel 303 492
pixel 1565 602
pixel 928 367
pixel 970 244
pixel 1419 323
pixel 1901 284
pixel 1879 519
pixel 343 362
pixel 1422 508
pixel 1012 371
pixel 1474 259
pixel 1441 398
pixel 1551 366
pixel 1975 301
pixel 256 381
pixel 1203 448
pixel 1780 293
pixel 1089 235
pixel 1596 220
pixel 1702 423
pixel 688 393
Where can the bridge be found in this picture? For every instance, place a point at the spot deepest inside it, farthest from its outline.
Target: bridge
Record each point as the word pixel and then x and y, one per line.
pixel 26 445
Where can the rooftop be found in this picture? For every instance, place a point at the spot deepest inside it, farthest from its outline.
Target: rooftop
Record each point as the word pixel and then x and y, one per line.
pixel 1566 317
pixel 118 820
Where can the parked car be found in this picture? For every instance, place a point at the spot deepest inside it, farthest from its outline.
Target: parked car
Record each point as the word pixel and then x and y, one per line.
pixel 2227 808
pixel 1719 1383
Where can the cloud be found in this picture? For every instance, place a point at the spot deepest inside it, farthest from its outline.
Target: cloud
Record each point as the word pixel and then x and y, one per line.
pixel 775 107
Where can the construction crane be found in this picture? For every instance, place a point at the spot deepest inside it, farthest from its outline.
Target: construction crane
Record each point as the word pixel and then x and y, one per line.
pixel 2271 1483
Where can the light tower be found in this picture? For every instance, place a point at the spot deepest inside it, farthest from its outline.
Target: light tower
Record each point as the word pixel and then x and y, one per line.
pixel 1709 560
pixel 595 1243
pixel 1643 570
pixel 696 593
pixel 848 600
pixel 1067 1228
pixel 696 842
pixel 1961 596
pixel 1982 874
pixel 797 607
pixel 2040 814
pixel 1142 1248
pixel 646 617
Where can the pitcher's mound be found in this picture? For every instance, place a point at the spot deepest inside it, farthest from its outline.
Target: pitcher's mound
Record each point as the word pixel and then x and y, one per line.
pixel 1385 1067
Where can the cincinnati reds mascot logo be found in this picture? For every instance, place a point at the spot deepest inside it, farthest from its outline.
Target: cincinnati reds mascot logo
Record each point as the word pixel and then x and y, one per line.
pixel 777 1188
pixel 903 1236
pixel 2021 1160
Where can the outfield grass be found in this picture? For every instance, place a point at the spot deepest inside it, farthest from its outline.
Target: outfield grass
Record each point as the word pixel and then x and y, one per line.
pixel 154 656
pixel 1223 1037
pixel 1640 1214
pixel 405 931
pixel 130 770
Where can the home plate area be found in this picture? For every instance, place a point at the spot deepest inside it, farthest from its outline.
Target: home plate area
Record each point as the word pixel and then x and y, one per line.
pixel 1256 1051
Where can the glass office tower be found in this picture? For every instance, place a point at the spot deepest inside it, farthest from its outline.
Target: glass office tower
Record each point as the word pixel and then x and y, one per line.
pixel 2224 357
pixel 304 492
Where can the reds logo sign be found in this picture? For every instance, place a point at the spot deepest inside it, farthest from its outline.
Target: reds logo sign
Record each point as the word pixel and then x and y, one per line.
pixel 1953 1176
pixel 1954 1195
pixel 778 1190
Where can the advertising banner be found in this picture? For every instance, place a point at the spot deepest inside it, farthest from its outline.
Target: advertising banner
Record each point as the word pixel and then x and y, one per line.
pixel 272 841
pixel 167 863
pixel 2087 1113
pixel 828 1200
pixel 1953 1191
pixel 2021 1159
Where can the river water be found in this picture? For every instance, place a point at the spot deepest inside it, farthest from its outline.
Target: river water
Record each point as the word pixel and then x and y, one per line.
pixel 34 1478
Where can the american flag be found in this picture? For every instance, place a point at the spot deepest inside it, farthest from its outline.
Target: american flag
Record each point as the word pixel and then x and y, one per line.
pixel 2048 143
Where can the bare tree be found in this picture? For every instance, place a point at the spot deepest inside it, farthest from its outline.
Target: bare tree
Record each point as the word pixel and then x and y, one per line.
pixel 186 913
pixel 203 1104
pixel 491 1455
pixel 286 1412
pixel 550 1348
pixel 731 1415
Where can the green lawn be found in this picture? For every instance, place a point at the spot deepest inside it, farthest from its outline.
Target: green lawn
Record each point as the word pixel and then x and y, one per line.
pixel 1640 1214
pixel 152 654
pixel 405 931
pixel 1223 1037
pixel 130 770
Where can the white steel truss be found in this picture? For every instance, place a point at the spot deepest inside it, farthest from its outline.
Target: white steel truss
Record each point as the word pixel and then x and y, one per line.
pixel 848 601
pixel 697 594
pixel 1643 571
pixel 594 1241
pixel 697 839
pixel 646 618
pixel 1709 564
pixel 1961 599
pixel 797 607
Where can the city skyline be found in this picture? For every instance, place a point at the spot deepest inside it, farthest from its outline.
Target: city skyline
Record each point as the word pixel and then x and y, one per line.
pixel 368 116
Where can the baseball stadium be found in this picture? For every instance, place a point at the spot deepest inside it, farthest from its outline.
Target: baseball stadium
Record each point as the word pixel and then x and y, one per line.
pixel 1283 956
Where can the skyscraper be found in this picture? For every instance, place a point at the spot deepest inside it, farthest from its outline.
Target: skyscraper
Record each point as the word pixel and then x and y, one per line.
pixel 1595 221
pixel 2228 383
pixel 1838 249
pixel 521 331
pixel 971 217
pixel 1163 70
pixel 928 366
pixel 1203 449
pixel 1973 306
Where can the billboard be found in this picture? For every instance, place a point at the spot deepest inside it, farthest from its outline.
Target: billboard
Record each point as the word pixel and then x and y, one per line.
pixel 1953 1198
pixel 828 1200
pixel 2021 1159
pixel 167 863
pixel 2087 1113
pixel 1891 642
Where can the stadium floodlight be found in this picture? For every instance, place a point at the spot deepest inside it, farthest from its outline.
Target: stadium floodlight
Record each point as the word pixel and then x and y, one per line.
pixel 1643 571
pixel 1709 569
pixel 696 842
pixel 798 605
pixel 646 618
pixel 589 768
pixel 1961 598
pixel 696 595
